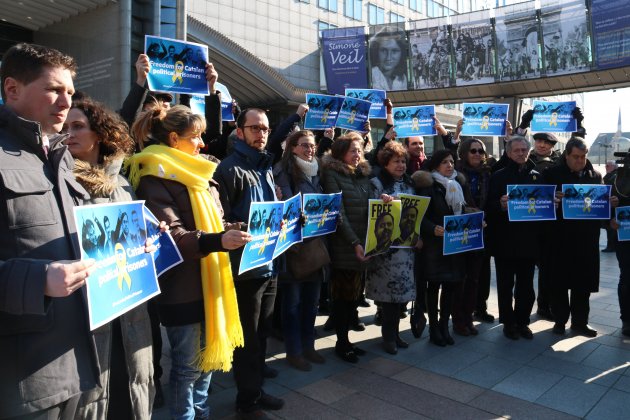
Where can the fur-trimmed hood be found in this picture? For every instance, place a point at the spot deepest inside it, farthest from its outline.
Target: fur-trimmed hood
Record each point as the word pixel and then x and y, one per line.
pixel 424 179
pixel 330 163
pixel 99 180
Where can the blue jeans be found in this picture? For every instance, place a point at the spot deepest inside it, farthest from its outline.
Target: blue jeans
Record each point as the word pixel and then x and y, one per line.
pixel 188 385
pixel 299 310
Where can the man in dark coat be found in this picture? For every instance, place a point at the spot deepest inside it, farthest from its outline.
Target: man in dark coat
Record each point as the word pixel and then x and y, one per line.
pixel 575 264
pixel 514 245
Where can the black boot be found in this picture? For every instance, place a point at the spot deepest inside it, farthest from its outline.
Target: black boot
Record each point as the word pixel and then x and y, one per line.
pixel 446 335
pixel 435 336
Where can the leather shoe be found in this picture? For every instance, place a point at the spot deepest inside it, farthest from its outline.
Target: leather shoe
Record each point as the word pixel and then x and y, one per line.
pixel 511 333
pixel 584 330
pixel 558 328
pixel 461 330
pixel 435 336
pixel 525 332
pixel 299 363
pixel 269 402
pixel 483 316
pixel 390 347
pixel 357 350
pixel 313 356
pixel 401 343
pixel 269 372
pixel 346 354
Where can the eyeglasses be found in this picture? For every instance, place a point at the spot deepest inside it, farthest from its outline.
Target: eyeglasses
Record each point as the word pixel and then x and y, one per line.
pixel 308 146
pixel 257 129
pixel 475 151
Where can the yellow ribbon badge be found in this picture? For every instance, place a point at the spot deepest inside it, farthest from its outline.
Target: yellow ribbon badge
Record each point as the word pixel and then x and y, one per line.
pixel 323 220
pixel 465 237
pixel 415 124
pixel 283 230
pixel 265 240
pixel 179 70
pixel 352 115
pixel 554 119
pixel 121 263
pixel 587 204
pixel 532 206
pixel 325 116
pixel 485 123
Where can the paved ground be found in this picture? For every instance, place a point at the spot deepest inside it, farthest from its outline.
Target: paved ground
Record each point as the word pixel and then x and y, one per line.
pixel 481 377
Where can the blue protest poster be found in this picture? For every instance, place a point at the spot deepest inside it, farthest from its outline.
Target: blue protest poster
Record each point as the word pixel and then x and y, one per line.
pixel 586 201
pixel 176 66
pixel 124 275
pixel 320 212
pixel 226 102
pixel 527 203
pixel 553 117
pixel 198 105
pixel 413 208
pixel 622 215
pixel 414 121
pixel 463 233
pixel 322 111
pixel 484 119
pixel 383 226
pixel 264 224
pixel 375 96
pixel 290 229
pixel 353 114
pixel 167 255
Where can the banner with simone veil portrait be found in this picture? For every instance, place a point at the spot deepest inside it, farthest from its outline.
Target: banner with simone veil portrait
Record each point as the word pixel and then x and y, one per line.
pixel 344 57
pixel 463 233
pixel 124 275
pixel 383 226
pixel 485 119
pixel 176 66
pixel 586 201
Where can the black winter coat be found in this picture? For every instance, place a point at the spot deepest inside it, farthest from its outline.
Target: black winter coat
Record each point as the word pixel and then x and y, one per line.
pixel 575 262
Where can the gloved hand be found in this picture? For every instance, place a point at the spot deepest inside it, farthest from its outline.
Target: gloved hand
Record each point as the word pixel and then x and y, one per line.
pixel 526 119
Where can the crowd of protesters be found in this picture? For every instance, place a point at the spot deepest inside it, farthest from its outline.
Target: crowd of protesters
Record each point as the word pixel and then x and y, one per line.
pixel 60 149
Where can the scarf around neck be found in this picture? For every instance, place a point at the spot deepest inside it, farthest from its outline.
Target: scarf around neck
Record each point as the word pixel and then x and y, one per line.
pixel 309 168
pixel 223 326
pixel 454 194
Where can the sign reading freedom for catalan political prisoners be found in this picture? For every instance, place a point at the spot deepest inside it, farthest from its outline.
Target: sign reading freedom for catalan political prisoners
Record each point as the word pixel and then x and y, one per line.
pixel 622 214
pixel 383 221
pixel 413 208
pixel 354 114
pixel 271 234
pixel 322 111
pixel 527 203
pixel 375 96
pixel 176 66
pixel 414 121
pixel 167 254
pixel 124 275
pixel 484 119
pixel 586 201
pixel 463 233
pixel 554 117
pixel 320 212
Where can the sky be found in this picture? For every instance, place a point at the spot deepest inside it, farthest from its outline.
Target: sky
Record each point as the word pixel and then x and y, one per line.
pixel 601 110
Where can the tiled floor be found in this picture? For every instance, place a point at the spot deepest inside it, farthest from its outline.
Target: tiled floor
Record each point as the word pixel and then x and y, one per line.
pixel 481 377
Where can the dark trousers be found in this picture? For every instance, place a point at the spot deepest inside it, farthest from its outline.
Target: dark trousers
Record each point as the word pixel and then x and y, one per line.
pixel 390 320
pixel 515 278
pixel 483 285
pixel 255 307
pixel 420 305
pixel 578 306
pixel 445 299
pixel 545 282
pixel 119 405
pixel 156 334
pixel 63 411
pixel 465 298
pixel 623 289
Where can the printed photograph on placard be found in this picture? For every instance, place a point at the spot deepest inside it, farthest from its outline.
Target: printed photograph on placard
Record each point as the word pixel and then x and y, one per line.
pixel 375 96
pixel 518 49
pixel 528 203
pixel 413 208
pixel 463 233
pixel 430 54
pixel 553 117
pixel 586 201
pixel 388 48
pixel 383 226
pixel 322 111
pixel 290 227
pixel 473 47
pixel 566 39
pixel 264 224
pixel 484 119
pixel 414 120
pixel 320 212
pixel 353 115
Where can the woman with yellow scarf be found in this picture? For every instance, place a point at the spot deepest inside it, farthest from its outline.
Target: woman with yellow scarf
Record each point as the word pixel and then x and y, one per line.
pixel 197 305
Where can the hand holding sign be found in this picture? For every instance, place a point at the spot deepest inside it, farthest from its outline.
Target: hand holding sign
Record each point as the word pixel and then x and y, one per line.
pixel 64 277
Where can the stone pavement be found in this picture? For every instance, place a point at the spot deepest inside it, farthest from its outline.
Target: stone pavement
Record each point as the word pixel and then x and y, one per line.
pixel 482 377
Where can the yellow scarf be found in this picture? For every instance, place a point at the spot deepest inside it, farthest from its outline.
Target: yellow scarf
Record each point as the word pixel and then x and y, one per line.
pixel 223 325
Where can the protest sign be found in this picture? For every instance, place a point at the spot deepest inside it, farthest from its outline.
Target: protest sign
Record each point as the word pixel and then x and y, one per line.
pixel 531 202
pixel 463 233
pixel 586 201
pixel 413 208
pixel 484 119
pixel 320 212
pixel 383 221
pixel 414 121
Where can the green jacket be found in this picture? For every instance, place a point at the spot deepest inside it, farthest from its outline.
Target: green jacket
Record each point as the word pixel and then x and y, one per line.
pixel 355 187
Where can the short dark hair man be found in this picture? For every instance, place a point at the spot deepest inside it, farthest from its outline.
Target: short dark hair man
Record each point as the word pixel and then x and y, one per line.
pixel 415 150
pixel 47 354
pixel 245 177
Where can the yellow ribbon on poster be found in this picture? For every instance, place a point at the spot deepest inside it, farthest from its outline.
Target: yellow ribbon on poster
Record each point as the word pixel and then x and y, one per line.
pixel 465 236
pixel 283 231
pixel 485 123
pixel 532 206
pixel 587 204
pixel 179 70
pixel 415 124
pixel 554 119
pixel 265 240
pixel 352 115
pixel 321 222
pixel 121 263
pixel 325 116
